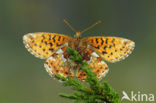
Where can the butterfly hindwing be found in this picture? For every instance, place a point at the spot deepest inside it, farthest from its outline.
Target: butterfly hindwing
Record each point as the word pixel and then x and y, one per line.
pixel 95 62
pixel 42 45
pixel 99 67
pixel 112 49
pixel 58 64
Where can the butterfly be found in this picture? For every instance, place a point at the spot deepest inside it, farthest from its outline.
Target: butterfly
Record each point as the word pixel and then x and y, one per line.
pixel 94 50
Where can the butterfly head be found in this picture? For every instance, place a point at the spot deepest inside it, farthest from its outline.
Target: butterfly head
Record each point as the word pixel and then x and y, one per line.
pixel 78 32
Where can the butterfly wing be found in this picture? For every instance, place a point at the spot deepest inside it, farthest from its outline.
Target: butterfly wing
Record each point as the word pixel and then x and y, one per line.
pixel 42 45
pixel 112 49
pixel 59 63
pixel 95 62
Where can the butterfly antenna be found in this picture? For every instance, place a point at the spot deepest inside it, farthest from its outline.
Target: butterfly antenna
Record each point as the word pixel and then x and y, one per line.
pixel 98 22
pixel 66 22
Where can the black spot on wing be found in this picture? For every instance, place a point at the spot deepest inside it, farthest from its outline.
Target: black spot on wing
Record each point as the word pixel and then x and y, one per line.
pixel 104 52
pixel 59 38
pixel 51 49
pixel 98 47
pixel 105 47
pixel 97 40
pixel 114 44
pixel 49 37
pixel 106 40
pixel 45 42
pixel 102 41
pixel 54 38
pixel 51 44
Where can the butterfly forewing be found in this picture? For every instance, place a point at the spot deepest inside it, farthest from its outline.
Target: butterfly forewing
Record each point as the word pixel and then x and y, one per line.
pixel 42 45
pixel 112 49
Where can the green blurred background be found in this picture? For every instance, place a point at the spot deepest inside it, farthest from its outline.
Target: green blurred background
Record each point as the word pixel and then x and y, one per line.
pixel 23 78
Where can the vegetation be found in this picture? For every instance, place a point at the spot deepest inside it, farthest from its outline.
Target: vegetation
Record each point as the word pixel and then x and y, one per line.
pixel 91 91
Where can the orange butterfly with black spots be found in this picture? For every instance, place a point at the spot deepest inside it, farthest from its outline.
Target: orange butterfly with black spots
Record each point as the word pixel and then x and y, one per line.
pixel 94 50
